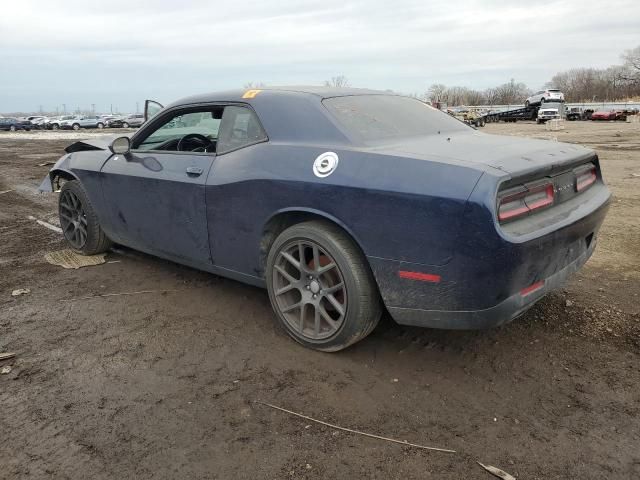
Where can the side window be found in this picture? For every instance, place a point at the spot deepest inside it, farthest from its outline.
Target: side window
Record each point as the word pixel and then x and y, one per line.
pixel 239 128
pixel 199 127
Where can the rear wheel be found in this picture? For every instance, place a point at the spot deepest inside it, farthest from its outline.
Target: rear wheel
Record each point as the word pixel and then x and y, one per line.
pixel 321 287
pixel 125 125
pixel 75 126
pixel 12 128
pixel 55 126
pixel 79 221
pixel 526 104
pixel 100 125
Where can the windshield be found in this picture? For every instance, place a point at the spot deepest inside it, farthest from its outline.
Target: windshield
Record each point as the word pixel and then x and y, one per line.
pixel 383 118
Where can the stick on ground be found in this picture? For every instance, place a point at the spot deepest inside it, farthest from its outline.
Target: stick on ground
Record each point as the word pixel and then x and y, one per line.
pixel 7 356
pixel 117 294
pixel 371 435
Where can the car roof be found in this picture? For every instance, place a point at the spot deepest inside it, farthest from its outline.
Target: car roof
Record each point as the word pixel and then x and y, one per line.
pixel 240 95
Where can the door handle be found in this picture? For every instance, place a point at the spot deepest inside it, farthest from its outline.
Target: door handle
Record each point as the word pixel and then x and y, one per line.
pixel 194 171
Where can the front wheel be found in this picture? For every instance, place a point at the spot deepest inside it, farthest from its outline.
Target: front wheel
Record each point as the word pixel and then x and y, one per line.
pixel 12 128
pixel 76 126
pixel 526 104
pixel 79 221
pixel 321 287
pixel 125 125
pixel 100 125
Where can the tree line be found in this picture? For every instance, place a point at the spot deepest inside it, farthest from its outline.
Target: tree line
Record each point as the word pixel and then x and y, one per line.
pixel 614 83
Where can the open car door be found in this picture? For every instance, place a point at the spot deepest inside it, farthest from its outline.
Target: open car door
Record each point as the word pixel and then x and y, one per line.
pixel 151 108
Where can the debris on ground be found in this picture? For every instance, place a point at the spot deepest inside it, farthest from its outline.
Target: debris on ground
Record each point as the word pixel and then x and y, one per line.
pixel 44 164
pixel 45 224
pixel 7 355
pixel 497 472
pixel 5 191
pixel 70 259
pixel 20 291
pixel 344 429
pixel 6 369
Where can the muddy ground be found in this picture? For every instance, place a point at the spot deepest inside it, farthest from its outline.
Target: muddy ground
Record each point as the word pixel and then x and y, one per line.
pixel 163 385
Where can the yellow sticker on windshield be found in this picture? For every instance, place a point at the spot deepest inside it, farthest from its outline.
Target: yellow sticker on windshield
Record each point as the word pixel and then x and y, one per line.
pixel 251 93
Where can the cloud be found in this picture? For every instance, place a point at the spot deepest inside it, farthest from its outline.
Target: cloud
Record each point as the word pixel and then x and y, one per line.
pixel 79 52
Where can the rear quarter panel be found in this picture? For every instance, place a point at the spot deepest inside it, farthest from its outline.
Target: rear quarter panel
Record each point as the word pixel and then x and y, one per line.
pixel 394 207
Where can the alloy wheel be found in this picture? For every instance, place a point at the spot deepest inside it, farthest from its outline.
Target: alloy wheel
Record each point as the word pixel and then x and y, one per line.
pixel 309 290
pixel 73 219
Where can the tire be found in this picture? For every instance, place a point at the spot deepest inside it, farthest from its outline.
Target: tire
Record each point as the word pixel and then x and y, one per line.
pixel 12 128
pixel 125 125
pixel 306 295
pixel 100 125
pixel 55 126
pixel 75 126
pixel 79 222
pixel 526 104
pixel 541 100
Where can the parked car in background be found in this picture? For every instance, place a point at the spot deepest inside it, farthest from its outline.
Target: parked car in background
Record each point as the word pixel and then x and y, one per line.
pixel 579 113
pixel 55 122
pixel 548 95
pixel 604 115
pixel 547 113
pixel 38 122
pixel 135 120
pixel 11 124
pixel 80 121
pixel 127 121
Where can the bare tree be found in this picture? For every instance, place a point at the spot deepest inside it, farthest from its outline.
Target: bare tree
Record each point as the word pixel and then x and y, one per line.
pixel 250 85
pixel 340 82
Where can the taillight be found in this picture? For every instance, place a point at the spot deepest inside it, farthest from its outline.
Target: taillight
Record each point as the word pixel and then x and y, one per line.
pixel 524 201
pixel 585 177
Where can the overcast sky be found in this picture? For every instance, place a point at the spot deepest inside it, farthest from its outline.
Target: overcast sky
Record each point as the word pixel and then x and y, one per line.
pixel 80 52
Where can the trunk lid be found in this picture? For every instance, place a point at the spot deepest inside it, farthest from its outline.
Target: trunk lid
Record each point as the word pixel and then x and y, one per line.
pixel 516 156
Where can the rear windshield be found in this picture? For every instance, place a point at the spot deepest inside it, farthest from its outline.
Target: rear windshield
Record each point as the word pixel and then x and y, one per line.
pixel 383 118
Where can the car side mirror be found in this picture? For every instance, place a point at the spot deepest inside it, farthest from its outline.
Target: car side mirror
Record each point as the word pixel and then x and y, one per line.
pixel 120 146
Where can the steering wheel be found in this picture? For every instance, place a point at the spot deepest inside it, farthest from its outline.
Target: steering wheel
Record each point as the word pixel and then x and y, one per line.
pixel 206 143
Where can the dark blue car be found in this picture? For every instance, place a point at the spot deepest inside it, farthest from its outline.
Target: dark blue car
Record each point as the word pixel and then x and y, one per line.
pixel 10 124
pixel 342 203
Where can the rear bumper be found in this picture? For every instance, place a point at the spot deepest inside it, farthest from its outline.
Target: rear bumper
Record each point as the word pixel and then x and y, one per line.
pixel 502 313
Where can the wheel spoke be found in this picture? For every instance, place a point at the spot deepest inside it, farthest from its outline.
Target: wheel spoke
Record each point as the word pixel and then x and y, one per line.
pixel 327 318
pixel 316 258
pixel 326 268
pixel 285 274
pixel 337 305
pixel 69 225
pixel 316 326
pixel 285 289
pixel 292 307
pixel 333 288
pixel 302 312
pixel 291 260
pixel 65 216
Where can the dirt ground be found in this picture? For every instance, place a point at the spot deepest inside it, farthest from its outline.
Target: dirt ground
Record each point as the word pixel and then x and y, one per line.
pixel 163 385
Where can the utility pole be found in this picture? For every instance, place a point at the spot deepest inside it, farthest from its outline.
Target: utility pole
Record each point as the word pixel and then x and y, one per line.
pixel 93 108
pixel 40 109
pixel 64 108
pixel 137 108
pixel 111 108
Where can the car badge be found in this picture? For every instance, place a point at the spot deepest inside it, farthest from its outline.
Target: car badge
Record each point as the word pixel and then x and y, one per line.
pixel 325 164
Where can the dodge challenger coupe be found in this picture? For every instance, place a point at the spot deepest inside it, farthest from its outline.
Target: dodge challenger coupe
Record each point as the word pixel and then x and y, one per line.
pixel 342 203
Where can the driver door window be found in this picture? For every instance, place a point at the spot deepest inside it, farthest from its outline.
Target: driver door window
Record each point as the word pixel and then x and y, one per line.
pixel 195 132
